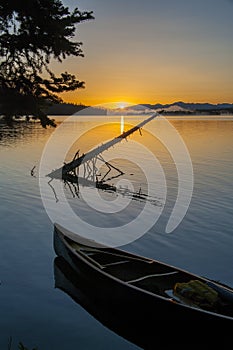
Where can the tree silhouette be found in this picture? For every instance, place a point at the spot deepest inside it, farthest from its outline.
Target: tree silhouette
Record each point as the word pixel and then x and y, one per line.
pixel 32 32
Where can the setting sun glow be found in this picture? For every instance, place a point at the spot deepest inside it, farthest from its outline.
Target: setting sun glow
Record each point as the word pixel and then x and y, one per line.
pixel 117 105
pixel 122 105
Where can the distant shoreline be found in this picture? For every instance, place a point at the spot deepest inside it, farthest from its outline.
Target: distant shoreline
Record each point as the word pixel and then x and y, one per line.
pixel 174 109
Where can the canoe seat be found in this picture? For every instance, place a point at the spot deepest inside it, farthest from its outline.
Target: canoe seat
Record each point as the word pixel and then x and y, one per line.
pixel 116 263
pixel 153 275
pixel 156 283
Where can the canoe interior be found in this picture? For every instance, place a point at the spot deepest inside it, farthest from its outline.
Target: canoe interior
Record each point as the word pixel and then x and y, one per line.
pixel 147 274
pixel 144 273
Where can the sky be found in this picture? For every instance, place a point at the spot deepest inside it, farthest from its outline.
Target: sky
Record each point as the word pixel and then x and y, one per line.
pixel 153 51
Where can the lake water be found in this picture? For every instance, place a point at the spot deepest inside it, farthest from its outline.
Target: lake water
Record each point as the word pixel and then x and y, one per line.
pixel 153 174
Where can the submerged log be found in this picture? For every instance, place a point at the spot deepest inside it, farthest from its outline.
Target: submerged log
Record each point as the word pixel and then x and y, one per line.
pixel 66 168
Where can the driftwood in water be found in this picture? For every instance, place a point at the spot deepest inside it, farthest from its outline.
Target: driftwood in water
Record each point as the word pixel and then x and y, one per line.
pixel 65 169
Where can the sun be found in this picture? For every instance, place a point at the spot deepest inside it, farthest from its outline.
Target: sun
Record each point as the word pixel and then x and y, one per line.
pixel 122 105
pixel 117 105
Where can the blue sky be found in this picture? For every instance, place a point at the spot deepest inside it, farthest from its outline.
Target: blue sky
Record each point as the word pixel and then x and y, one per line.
pixel 155 51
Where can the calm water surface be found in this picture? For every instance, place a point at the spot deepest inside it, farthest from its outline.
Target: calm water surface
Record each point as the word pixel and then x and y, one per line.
pixel 32 309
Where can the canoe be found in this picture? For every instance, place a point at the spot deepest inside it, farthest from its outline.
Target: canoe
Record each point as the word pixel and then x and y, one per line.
pixel 157 302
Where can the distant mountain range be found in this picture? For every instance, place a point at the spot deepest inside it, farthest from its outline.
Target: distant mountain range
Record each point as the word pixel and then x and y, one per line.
pixel 177 108
pixel 192 107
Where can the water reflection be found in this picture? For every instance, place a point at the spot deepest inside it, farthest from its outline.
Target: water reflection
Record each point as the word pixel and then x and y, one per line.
pixel 9 133
pixel 22 132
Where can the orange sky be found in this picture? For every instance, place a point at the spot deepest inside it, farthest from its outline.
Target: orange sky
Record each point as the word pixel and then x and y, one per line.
pixel 154 51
